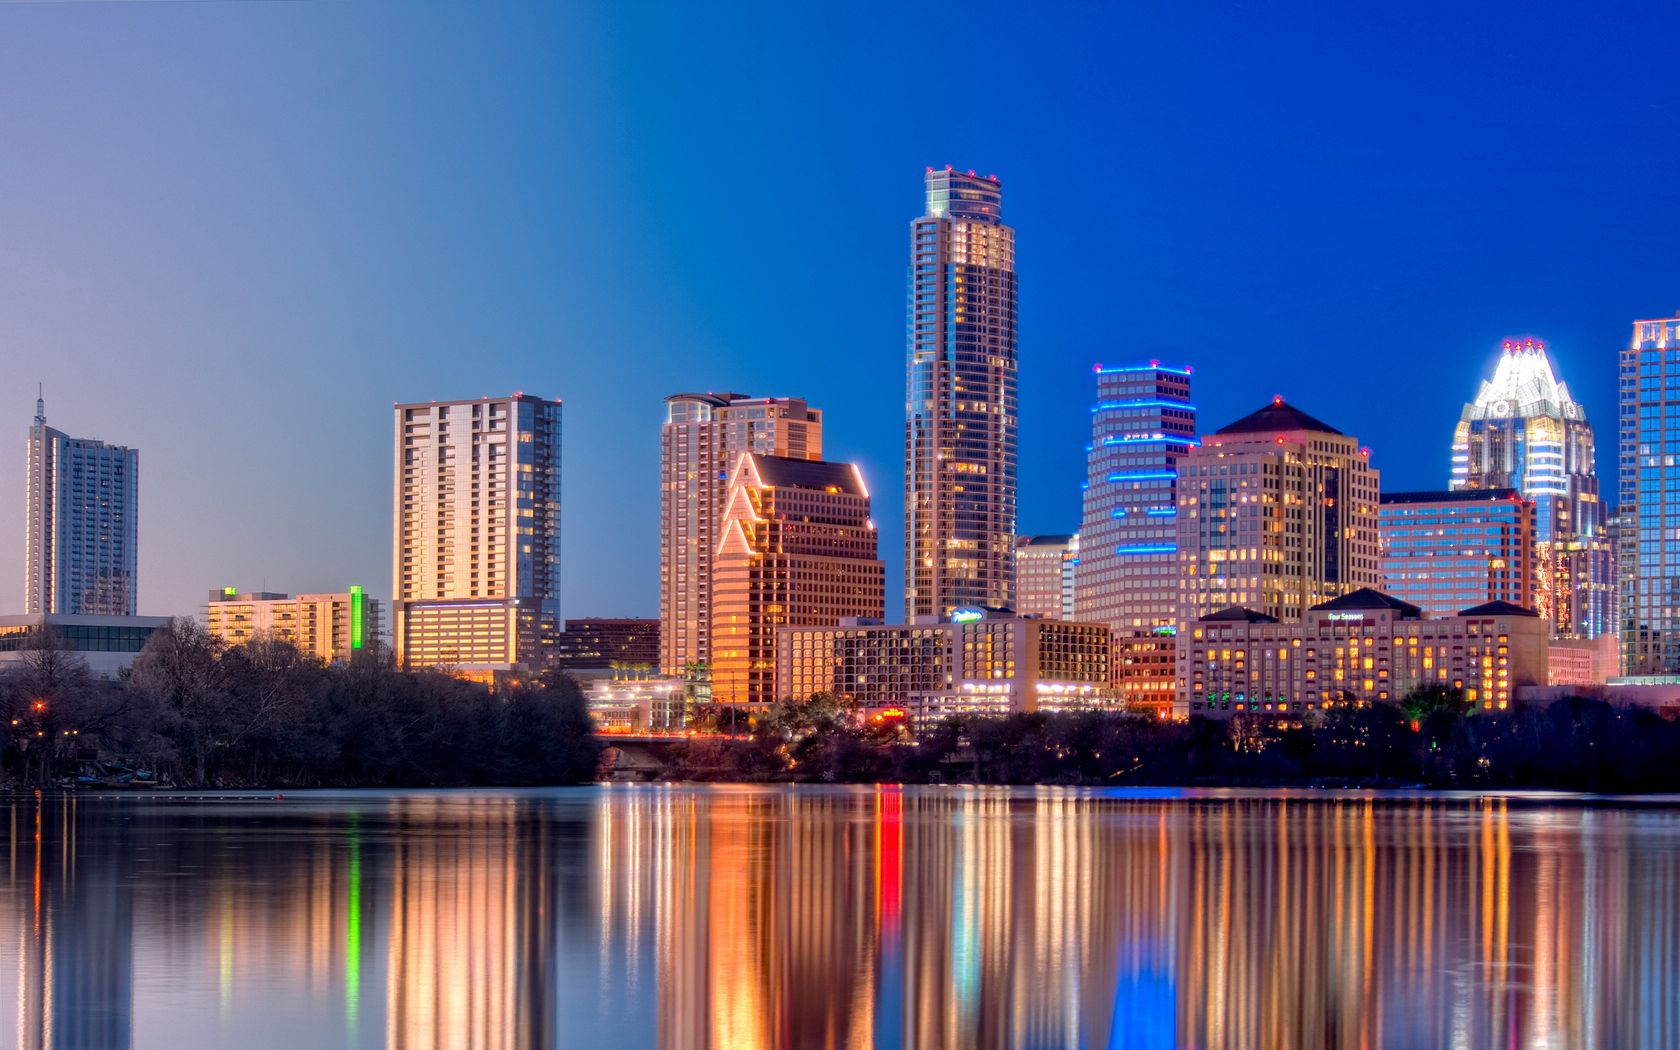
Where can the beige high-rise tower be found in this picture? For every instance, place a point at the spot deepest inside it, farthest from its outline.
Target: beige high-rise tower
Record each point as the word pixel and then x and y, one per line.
pixel 1277 512
pixel 703 438
pixel 476 546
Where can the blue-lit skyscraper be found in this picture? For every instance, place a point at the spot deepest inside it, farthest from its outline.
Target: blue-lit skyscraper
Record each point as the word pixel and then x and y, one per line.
pixel 1127 576
pixel 960 411
pixel 1650 499
pixel 81 524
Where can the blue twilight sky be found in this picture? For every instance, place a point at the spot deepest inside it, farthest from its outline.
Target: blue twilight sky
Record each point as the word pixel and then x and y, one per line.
pixel 233 234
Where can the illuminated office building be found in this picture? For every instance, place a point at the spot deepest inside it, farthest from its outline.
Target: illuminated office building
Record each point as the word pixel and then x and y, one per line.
pixel 1524 431
pixel 330 627
pixel 1445 551
pixel 1360 648
pixel 961 412
pixel 81 516
pixel 1142 424
pixel 1649 538
pixel 1044 575
pixel 797 549
pixel 703 438
pixel 978 662
pixel 476 544
pixel 1277 512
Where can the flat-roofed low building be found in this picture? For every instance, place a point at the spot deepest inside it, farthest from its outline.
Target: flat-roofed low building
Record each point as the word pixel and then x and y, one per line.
pixel 639 705
pixel 1361 648
pixel 108 644
pixel 604 643
pixel 977 662
pixel 330 627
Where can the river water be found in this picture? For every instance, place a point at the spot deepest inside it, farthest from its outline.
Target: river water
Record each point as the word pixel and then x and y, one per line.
pixel 839 917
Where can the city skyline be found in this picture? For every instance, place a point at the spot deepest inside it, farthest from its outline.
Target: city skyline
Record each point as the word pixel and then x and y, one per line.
pixel 253 319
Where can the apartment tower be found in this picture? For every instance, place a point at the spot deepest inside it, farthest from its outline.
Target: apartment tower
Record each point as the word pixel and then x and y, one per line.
pixel 476 546
pixel 960 414
pixel 703 439
pixel 797 550
pixel 81 516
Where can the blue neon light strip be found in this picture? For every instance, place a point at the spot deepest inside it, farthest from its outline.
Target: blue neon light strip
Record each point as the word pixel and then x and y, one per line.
pixel 1143 402
pixel 1147 548
pixel 1171 439
pixel 1109 370
pixel 1161 512
pixel 1143 475
pixel 1118 512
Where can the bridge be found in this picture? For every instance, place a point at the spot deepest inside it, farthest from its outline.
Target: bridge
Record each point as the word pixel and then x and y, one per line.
pixel 646 757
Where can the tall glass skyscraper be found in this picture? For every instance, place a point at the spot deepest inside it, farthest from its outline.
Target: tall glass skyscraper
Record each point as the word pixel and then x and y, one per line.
pixel 81 524
pixel 961 414
pixel 1650 499
pixel 1127 577
pixel 1524 431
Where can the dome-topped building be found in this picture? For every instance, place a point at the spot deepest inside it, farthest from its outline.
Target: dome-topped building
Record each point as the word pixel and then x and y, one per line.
pixel 1525 431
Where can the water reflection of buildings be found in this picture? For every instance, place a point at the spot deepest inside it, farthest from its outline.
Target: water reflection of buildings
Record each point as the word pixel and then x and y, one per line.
pixel 985 918
pixel 471 926
pixel 74 913
pixel 736 917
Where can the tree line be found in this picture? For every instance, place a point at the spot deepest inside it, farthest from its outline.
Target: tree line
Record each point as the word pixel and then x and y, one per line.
pixel 1432 738
pixel 196 712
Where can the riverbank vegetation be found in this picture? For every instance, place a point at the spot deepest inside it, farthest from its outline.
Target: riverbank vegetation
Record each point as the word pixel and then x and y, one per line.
pixel 1431 739
pixel 193 712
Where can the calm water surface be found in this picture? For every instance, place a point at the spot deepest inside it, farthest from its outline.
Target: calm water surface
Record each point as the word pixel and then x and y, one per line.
pixel 789 917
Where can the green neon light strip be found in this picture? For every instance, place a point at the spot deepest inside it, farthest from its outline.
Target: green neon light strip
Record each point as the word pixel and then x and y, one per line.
pixel 355 617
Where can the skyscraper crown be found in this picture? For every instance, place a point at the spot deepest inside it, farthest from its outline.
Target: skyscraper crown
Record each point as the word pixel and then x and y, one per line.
pixel 1524 386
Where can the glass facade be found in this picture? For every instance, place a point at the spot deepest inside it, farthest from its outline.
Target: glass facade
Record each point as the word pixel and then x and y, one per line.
pixel 81 526
pixel 1142 423
pixel 1650 499
pixel 1448 551
pixel 961 401
pixel 1524 431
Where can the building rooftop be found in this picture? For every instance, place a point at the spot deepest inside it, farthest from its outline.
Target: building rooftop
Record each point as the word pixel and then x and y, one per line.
pixel 1498 608
pixel 1366 599
pixel 1453 496
pixel 783 472
pixel 1047 540
pixel 1238 614
pixel 1277 417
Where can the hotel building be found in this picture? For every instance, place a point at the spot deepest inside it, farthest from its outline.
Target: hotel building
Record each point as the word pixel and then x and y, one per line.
pixel 330 627
pixel 979 662
pixel 961 412
pixel 702 440
pixel 1524 431
pixel 1445 551
pixel 1358 649
pixel 476 545
pixel 81 516
pixel 797 550
pixel 1142 424
pixel 1650 500
pixel 1044 575
pixel 1276 513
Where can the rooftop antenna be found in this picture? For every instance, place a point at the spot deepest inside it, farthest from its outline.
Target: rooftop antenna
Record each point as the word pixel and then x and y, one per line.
pixel 40 405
